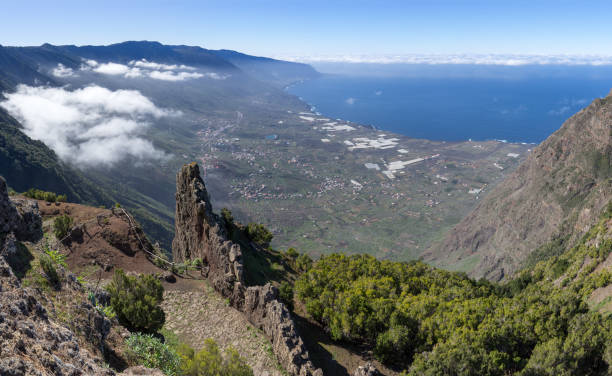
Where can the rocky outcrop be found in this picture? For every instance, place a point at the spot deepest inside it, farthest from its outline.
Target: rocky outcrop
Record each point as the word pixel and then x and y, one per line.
pixel 558 192
pixel 19 216
pixel 31 343
pixel 200 234
pixel 366 370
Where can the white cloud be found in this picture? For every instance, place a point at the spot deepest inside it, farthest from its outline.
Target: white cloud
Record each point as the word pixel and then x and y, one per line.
pixel 172 76
pixel 113 69
pixel 143 68
pixel 350 101
pixel 62 71
pixel 477 59
pixel 92 126
pixel 158 66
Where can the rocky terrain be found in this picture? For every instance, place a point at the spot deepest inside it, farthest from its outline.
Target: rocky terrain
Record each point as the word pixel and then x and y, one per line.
pixel 200 234
pixel 35 336
pixel 555 195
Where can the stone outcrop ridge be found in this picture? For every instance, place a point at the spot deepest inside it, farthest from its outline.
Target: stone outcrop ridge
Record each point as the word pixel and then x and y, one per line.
pixel 19 216
pixel 199 233
pixel 366 370
pixel 558 192
pixel 30 342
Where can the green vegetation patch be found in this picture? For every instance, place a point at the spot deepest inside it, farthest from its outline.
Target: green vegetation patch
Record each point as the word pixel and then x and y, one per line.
pixel 136 301
pixel 434 322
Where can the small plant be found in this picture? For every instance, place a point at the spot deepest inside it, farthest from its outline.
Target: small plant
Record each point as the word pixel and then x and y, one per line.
pixel 107 311
pixel 136 300
pixel 259 234
pixel 48 267
pixel 160 263
pixel 117 205
pixel 292 253
pixel 210 361
pixel 285 293
pixel 62 225
pixel 149 351
pixel 56 256
pixel 197 262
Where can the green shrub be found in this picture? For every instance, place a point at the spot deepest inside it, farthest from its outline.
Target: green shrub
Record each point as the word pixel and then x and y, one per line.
pixel 303 263
pixel 136 300
pixel 259 234
pixel 210 362
pixel 292 253
pixel 38 194
pixel 285 293
pixel 151 352
pixel 62 225
pixel 196 262
pixel 56 256
pixel 48 267
pixel 395 345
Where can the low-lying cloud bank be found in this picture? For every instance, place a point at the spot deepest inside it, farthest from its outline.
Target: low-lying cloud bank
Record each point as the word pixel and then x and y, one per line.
pixel 139 69
pixel 473 59
pixel 88 127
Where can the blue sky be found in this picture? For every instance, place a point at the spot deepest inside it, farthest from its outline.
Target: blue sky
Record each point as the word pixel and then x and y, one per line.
pixel 313 28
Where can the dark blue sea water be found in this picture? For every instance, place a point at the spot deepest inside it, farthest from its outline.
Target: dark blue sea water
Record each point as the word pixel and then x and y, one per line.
pixel 515 107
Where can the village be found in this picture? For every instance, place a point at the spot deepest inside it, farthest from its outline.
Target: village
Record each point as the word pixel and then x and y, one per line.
pixel 344 173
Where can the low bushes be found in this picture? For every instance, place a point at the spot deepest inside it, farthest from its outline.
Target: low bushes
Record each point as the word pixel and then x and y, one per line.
pixel 177 359
pixel 136 301
pixel 38 194
pixel 62 225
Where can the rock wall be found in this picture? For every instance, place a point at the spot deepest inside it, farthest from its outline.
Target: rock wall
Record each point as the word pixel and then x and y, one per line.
pixel 30 342
pixel 199 233
pixel 19 216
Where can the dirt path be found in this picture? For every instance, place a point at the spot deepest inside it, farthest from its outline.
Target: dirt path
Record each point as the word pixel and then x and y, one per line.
pixel 200 313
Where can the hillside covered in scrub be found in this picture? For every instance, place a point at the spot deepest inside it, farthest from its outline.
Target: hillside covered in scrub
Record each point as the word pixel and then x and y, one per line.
pixel 554 197
pixel 553 318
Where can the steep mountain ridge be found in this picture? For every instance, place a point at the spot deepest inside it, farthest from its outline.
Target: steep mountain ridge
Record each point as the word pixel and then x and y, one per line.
pixel 556 194
pixel 200 234
pixel 278 72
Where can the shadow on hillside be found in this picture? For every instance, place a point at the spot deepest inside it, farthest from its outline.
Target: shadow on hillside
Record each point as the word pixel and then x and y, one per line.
pixel 314 339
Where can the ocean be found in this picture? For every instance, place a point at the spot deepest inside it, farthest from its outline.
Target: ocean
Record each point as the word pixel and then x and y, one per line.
pixel 516 104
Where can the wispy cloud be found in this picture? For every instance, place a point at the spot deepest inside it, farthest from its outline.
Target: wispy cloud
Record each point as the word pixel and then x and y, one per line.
pixel 93 126
pixel 148 69
pixel 173 76
pixel 475 59
pixel 568 105
pixel 560 111
pixel 62 71
pixel 350 101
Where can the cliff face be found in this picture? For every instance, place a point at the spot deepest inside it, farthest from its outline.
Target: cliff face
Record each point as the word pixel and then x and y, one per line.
pixel 558 192
pixel 199 233
pixel 31 342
